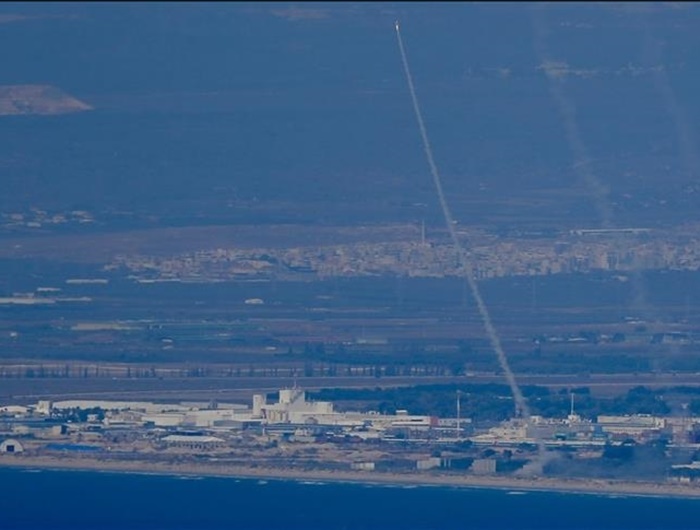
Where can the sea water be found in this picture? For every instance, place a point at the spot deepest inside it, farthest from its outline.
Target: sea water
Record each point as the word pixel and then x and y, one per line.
pixel 46 499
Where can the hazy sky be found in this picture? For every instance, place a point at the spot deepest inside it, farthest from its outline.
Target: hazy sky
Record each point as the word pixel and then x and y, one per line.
pixel 306 101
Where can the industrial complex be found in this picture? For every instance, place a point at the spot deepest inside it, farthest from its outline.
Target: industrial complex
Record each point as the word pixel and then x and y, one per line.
pixel 287 430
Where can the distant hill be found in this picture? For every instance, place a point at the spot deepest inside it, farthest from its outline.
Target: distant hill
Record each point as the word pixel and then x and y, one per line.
pixel 37 99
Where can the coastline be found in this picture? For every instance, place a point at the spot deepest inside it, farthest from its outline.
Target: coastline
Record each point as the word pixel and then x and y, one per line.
pixel 602 487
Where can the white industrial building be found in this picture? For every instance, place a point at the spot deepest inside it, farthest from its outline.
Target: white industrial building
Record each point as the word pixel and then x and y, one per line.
pixel 292 407
pixel 198 418
pixel 11 446
pixel 140 406
pixel 633 425
pixel 518 430
pixel 14 410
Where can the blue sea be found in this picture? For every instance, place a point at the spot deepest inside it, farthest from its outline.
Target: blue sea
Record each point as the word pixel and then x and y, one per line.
pixel 76 500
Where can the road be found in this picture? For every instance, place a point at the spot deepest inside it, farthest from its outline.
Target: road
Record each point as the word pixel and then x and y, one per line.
pixel 240 389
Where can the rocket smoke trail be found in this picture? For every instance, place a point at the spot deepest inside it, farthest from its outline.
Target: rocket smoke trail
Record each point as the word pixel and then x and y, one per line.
pixel 684 130
pixel 520 402
pixel 596 188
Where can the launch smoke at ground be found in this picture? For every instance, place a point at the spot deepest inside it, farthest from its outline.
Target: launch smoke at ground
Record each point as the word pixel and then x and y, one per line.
pixel 520 401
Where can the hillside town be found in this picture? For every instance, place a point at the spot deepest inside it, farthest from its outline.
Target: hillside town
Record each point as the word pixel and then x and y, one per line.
pixel 576 251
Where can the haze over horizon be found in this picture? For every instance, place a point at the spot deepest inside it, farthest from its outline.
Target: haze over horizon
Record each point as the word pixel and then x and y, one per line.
pixel 200 108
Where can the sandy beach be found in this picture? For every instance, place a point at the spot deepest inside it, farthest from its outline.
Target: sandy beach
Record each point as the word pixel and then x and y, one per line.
pixel 543 484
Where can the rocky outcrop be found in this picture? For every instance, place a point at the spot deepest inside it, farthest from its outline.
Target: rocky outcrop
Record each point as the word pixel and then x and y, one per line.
pixel 18 100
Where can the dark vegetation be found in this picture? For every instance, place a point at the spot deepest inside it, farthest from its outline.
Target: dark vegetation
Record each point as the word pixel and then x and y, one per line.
pixel 363 325
pixel 493 402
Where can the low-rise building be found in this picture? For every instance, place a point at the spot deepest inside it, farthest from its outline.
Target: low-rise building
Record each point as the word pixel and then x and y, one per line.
pixel 483 466
pixel 11 446
pixel 636 426
pixel 14 410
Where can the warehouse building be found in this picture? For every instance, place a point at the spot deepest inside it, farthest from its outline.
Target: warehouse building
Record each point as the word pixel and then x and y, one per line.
pixel 11 446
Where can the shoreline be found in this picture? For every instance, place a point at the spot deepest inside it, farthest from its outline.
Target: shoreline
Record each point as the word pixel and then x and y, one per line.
pixel 601 487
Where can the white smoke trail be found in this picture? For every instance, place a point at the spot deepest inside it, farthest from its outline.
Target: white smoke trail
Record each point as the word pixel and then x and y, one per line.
pixel 520 402
pixel 555 72
pixel 687 140
pixel 685 133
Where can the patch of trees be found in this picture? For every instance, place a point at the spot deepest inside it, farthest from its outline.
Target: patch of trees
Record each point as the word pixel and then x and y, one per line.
pixel 77 415
pixel 494 402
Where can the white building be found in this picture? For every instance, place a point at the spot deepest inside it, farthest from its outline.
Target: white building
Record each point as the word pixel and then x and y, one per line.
pixel 141 406
pixel 44 407
pixel 14 410
pixel 291 407
pixel 509 432
pixel 198 418
pixel 632 425
pixel 11 446
pixel 483 466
